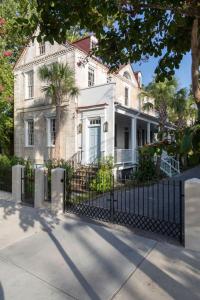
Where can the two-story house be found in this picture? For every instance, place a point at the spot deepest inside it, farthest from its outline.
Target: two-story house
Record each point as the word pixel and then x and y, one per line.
pixel 105 119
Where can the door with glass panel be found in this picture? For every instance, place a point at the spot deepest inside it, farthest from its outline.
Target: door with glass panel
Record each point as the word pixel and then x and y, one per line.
pixel 94 140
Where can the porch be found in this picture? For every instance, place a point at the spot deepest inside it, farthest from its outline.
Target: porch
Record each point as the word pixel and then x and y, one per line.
pixel 131 132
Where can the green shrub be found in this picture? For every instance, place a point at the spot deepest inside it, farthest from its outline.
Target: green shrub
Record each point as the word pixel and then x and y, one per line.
pixel 52 164
pixel 146 169
pixel 8 162
pixel 103 180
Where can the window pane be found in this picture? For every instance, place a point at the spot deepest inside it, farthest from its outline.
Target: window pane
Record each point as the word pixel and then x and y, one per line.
pixel 30 84
pixel 42 48
pixel 126 96
pixel 53 132
pixel 30 133
pixel 90 76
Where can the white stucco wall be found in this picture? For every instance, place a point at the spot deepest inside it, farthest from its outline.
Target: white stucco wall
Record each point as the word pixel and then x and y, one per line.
pixel 96 95
pixel 99 95
pixel 81 72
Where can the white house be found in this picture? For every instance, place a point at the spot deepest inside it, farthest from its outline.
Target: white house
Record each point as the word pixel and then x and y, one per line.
pixel 105 119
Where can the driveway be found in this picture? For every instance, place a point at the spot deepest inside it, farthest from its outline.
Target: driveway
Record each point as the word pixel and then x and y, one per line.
pixel 191 173
pixel 44 256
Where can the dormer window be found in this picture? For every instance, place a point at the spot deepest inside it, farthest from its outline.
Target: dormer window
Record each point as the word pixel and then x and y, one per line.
pixel 42 48
pixel 127 75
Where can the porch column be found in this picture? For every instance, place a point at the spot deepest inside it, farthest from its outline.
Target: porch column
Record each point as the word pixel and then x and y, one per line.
pixel 148 133
pixel 134 138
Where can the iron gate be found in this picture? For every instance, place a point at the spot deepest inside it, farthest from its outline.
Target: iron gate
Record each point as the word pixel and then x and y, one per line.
pixel 28 186
pixel 154 206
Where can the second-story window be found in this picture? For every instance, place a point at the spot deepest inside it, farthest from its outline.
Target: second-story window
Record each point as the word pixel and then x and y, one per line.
pixel 30 84
pixel 90 76
pixel 126 91
pixel 29 132
pixel 42 48
pixel 52 132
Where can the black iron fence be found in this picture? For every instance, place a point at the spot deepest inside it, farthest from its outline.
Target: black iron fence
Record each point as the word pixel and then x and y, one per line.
pixel 28 186
pixel 153 206
pixel 6 179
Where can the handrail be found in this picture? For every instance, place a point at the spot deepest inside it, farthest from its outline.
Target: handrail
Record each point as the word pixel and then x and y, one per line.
pixel 169 163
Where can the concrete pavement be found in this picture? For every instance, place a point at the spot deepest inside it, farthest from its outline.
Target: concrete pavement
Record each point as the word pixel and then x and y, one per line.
pixel 63 257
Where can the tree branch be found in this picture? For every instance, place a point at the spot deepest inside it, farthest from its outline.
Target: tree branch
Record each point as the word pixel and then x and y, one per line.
pixel 195 59
pixel 132 7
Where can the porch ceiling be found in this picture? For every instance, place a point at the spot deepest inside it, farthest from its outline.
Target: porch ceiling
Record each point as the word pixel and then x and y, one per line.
pixel 130 112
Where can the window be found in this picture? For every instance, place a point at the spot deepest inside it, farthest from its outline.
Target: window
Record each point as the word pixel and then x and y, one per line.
pixel 127 75
pixel 95 122
pixel 90 76
pixel 42 48
pixel 52 132
pixel 30 84
pixel 126 95
pixel 29 133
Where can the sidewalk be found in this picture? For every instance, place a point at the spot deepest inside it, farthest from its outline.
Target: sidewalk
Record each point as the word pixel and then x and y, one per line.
pixel 63 257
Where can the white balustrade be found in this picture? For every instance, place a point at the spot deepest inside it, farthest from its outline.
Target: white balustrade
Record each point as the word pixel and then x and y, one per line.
pixel 124 156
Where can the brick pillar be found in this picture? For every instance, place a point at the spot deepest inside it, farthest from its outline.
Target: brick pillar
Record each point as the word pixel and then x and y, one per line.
pixel 57 189
pixel 39 187
pixel 17 183
pixel 192 214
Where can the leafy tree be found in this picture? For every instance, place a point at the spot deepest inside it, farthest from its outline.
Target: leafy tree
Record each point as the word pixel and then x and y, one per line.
pixel 182 109
pixel 75 33
pixel 129 30
pixel 159 96
pixel 12 39
pixel 60 86
pixel 6 106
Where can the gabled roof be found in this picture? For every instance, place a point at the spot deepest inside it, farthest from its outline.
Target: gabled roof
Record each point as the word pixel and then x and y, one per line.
pixel 83 44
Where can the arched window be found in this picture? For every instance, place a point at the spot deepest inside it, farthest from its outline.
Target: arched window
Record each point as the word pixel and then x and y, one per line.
pixel 127 75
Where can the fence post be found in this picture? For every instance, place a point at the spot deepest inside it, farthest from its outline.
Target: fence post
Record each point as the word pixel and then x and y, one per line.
pixel 39 187
pixel 57 189
pixel 192 213
pixel 112 198
pixel 17 183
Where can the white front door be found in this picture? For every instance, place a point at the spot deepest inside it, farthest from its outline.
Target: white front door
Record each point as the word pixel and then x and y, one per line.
pixel 94 143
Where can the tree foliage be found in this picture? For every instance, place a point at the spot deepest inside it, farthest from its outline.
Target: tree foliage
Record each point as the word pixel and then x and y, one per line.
pixel 12 40
pixel 159 96
pixel 182 109
pixel 129 30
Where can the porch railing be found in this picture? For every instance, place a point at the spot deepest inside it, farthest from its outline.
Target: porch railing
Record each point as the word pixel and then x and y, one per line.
pixel 124 156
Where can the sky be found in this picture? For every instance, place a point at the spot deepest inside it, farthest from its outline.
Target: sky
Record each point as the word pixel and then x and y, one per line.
pixel 183 74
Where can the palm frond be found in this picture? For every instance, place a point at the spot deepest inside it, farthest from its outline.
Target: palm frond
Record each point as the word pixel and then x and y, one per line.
pixel 60 81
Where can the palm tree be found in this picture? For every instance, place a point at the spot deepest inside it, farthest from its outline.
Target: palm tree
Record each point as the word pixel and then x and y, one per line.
pixel 60 86
pixel 157 96
pixel 178 109
pixel 183 111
